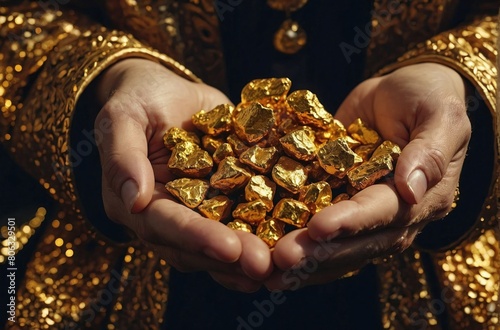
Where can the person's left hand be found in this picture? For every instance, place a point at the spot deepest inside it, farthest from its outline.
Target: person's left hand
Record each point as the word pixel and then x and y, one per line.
pixel 421 108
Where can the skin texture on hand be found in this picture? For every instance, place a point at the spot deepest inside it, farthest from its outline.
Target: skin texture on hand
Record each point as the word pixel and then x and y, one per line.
pixel 141 100
pixel 422 109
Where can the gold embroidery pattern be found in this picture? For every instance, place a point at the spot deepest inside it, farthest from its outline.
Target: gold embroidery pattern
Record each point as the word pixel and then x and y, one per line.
pixel 142 298
pixel 405 296
pixel 67 285
pixel 470 274
pixel 398 25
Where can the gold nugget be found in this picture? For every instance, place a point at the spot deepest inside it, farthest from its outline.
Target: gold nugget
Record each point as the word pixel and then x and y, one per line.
pixel 190 192
pixel 289 174
pixel 217 208
pixel 308 109
pixel 270 231
pixel 237 145
pixel 334 130
pixel 261 188
pixel 238 224
pixel 253 122
pixel 176 135
pixel 260 159
pixel 292 211
pixel 367 173
pixel 365 151
pixel 223 151
pixel 188 159
pixel 271 90
pixel 230 175
pixel 387 147
pixel 211 143
pixel 316 196
pixel 252 212
pixel 337 158
pixel 316 172
pixel 363 134
pixel 215 121
pixel 300 144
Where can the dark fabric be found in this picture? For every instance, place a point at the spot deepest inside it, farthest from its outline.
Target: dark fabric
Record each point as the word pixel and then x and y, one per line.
pixel 197 302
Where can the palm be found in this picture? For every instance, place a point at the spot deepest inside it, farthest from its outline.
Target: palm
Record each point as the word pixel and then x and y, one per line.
pixel 421 108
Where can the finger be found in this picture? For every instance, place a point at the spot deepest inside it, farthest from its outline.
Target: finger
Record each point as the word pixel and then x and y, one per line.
pixel 193 262
pixel 303 261
pixel 255 259
pixel 354 106
pixel 376 206
pixel 167 223
pixel 123 151
pixel 236 282
pixel 438 138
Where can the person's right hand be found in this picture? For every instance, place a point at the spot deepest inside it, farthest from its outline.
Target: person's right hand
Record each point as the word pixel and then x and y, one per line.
pixel 141 100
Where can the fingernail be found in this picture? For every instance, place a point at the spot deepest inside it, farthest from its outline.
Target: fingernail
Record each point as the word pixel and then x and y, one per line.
pixel 129 193
pixel 417 182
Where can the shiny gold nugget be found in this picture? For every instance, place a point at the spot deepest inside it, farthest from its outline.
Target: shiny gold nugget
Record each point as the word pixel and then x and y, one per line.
pixel 334 130
pixel 252 212
pixel 316 196
pixel 190 192
pixel 253 122
pixel 267 90
pixel 289 174
pixel 261 188
pixel 362 133
pixel 211 143
pixel 387 147
pixel 308 109
pixel 217 208
pixel 299 144
pixel 176 135
pixel 270 231
pixel 316 172
pixel 230 175
pixel 260 159
pixel 237 144
pixel 367 173
pixel 291 211
pixel 223 151
pixel 238 224
pixel 215 121
pixel 337 158
pixel 188 159
pixel 365 151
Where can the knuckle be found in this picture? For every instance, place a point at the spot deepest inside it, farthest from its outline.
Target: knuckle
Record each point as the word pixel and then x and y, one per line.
pixel 437 162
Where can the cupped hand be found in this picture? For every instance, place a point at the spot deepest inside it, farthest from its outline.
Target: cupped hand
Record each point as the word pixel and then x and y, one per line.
pixel 421 108
pixel 141 100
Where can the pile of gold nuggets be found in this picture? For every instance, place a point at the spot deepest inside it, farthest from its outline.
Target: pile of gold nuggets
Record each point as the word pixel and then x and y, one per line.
pixel 270 163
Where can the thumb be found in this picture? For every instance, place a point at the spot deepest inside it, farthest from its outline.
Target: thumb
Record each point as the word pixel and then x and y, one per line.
pixel 425 160
pixel 123 150
pixel 420 166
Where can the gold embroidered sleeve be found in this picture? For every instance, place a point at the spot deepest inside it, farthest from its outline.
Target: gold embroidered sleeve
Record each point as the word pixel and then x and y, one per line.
pixel 47 58
pixel 467 271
